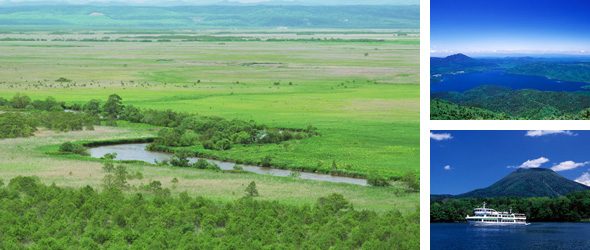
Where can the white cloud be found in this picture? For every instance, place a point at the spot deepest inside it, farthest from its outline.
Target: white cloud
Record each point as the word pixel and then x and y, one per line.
pixel 440 137
pixel 447 167
pixel 567 165
pixel 584 179
pixel 535 133
pixel 531 163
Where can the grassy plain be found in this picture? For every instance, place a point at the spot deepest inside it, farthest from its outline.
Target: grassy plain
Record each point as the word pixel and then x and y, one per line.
pixel 362 96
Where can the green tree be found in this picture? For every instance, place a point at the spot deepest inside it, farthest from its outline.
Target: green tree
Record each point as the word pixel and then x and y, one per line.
pixel 92 107
pixel 113 105
pixel 251 190
pixel 20 101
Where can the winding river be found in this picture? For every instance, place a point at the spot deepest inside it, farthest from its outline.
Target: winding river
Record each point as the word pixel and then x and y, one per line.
pixel 137 151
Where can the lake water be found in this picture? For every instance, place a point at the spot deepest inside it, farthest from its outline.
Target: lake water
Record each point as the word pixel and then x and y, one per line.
pixel 533 236
pixel 137 151
pixel 464 82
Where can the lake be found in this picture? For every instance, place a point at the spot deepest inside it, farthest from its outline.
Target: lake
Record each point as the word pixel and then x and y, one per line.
pixel 542 235
pixel 137 151
pixel 464 82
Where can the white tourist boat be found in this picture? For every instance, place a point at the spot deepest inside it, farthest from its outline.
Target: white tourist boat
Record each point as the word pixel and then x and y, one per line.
pixel 488 216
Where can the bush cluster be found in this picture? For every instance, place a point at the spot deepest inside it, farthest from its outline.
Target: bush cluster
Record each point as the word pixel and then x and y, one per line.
pixel 73 148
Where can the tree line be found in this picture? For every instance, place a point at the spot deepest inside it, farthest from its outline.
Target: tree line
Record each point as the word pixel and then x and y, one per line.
pixel 51 217
pixel 572 207
pixel 46 113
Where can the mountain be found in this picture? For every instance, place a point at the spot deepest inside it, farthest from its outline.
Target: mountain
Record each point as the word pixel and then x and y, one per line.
pixel 206 2
pixel 215 16
pixel 457 63
pixel 534 182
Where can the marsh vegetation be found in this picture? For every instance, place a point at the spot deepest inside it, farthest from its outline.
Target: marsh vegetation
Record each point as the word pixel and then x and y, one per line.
pixel 343 102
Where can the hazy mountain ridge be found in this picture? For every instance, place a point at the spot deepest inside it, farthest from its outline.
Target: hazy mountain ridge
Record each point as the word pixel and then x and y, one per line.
pixel 207 2
pixel 342 17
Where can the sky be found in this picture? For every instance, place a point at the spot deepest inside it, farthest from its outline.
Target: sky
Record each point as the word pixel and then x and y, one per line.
pixel 464 160
pixel 475 27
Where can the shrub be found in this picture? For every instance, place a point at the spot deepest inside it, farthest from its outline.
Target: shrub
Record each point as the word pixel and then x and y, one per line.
pixel 110 156
pixel 295 174
pixel 201 163
pixel 412 181
pixel 20 101
pixel 265 161
pixel 333 202
pixel 56 108
pixel 180 159
pixel 108 167
pixel 377 180
pixel 73 148
pixel 213 166
pixel 63 79
pixel 66 147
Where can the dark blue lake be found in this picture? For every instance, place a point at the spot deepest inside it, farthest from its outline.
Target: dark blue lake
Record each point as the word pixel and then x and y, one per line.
pixel 533 236
pixel 464 82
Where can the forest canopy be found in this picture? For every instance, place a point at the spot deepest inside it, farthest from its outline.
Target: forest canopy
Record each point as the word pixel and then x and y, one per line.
pixel 39 216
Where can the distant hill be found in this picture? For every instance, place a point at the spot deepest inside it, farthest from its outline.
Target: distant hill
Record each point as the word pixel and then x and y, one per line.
pixel 341 17
pixel 570 71
pixel 534 182
pixel 458 63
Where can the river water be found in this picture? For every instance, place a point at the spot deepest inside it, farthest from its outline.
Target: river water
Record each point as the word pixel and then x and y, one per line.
pixel 464 82
pixel 533 236
pixel 137 151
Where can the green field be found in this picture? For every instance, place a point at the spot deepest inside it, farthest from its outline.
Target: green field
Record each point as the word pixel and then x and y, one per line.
pixel 362 96
pixel 326 89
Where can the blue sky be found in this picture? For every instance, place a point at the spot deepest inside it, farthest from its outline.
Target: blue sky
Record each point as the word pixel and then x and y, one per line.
pixel 497 27
pixel 464 160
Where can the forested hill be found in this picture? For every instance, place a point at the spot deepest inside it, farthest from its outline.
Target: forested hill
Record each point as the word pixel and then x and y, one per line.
pixel 342 17
pixel 570 71
pixel 534 182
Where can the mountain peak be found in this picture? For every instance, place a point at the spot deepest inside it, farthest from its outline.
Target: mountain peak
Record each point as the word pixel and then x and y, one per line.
pixel 520 170
pixel 531 182
pixel 459 58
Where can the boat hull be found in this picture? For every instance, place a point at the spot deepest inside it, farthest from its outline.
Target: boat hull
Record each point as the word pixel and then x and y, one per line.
pixel 487 223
